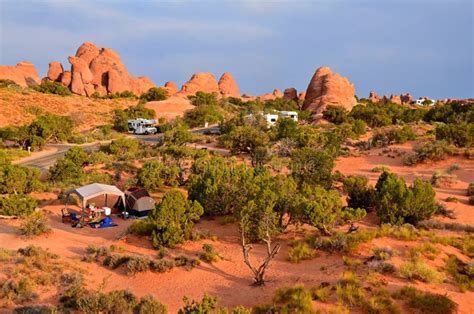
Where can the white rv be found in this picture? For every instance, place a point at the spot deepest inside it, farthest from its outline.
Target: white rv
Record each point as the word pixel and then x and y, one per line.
pixel 270 118
pixel 289 114
pixel 142 126
pixel 425 101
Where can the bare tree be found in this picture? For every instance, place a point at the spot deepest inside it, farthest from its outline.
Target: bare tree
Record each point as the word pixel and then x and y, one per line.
pixel 272 251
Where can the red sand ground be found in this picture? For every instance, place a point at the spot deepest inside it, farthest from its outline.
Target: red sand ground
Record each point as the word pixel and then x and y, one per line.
pixel 230 279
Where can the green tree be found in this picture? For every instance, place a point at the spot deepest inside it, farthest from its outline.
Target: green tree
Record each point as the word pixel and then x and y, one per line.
pixel 396 203
pixel 17 205
pixel 312 167
pixel 155 94
pixel 335 114
pixel 359 193
pixel 77 155
pixel 151 174
pixel 178 134
pixel 123 148
pixel 317 207
pixel 49 87
pixel 460 134
pixel 244 139
pixel 15 179
pixel 173 219
pixel 219 185
pixel 66 171
pixel 286 128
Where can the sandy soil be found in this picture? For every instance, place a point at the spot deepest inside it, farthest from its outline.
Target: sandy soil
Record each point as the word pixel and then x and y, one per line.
pixel 19 108
pixel 173 107
pixel 363 165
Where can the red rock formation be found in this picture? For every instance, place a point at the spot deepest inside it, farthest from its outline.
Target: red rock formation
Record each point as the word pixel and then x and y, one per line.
pixel 302 96
pixel 327 88
pixel 374 97
pixel 277 93
pixel 66 78
pixel 396 99
pixel 406 98
pixel 24 73
pixel 290 94
pixel 55 71
pixel 228 86
pixel 170 87
pixel 98 70
pixel 203 82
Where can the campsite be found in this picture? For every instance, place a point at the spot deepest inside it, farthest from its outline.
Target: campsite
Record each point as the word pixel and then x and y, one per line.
pixel 236 157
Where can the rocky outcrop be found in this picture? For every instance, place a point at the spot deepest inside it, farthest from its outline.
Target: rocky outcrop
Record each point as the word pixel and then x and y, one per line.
pixel 290 93
pixel 396 99
pixel 24 74
pixel 277 93
pixel 327 88
pixel 170 88
pixel 406 98
pixel 374 97
pixel 228 86
pixel 200 82
pixel 301 96
pixel 55 71
pixel 97 70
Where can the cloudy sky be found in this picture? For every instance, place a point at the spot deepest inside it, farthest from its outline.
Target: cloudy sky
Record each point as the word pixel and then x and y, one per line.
pixel 392 46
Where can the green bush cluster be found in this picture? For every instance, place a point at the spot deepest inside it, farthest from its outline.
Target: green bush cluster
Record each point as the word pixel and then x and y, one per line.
pixel 434 151
pixel 426 302
pixel 34 225
pixel 379 115
pixel 17 205
pixel 154 174
pixel 459 134
pixel 171 222
pixel 154 94
pixel 451 113
pixel 49 87
pixel 388 136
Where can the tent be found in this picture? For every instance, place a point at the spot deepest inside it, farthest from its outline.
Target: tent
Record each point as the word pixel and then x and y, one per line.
pixel 90 191
pixel 138 202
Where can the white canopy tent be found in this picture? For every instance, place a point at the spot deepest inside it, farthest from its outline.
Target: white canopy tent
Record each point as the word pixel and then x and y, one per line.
pixel 90 191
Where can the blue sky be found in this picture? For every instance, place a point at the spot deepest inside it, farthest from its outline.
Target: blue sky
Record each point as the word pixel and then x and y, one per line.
pixel 391 46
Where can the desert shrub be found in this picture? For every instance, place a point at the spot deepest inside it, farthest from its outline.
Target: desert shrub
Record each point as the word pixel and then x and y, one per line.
pixel 459 134
pixel 34 225
pixel 209 254
pixel 77 155
pixel 149 305
pixel 114 261
pixel 381 266
pixel 116 301
pixel 177 133
pixel 320 293
pixel 358 127
pixel 392 135
pixel 207 109
pixel 17 205
pixel 383 114
pixel 442 179
pixel 137 264
pixel 292 300
pixel 359 193
pixel 49 87
pixel 312 167
pixel 124 148
pixel 335 114
pixel 349 290
pixel 206 305
pixel 187 262
pixel 244 139
pixel 405 232
pixel 161 266
pixel 434 151
pixel 49 128
pixel 16 179
pixel 300 251
pixel 470 189
pixel 451 199
pixel 460 273
pixel 426 302
pixel 5 83
pixel 416 269
pixel 121 117
pixel 150 175
pixel 18 291
pixel 285 128
pixel 471 200
pixel 383 253
pixel 380 169
pixel 397 204
pixel 154 94
pixel 66 171
pixel 380 302
pixel 36 309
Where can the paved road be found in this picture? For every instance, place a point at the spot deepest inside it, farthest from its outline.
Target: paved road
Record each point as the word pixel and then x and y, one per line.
pixel 45 161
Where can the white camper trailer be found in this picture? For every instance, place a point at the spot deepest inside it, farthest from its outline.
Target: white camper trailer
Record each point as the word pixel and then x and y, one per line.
pixel 289 114
pixel 142 126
